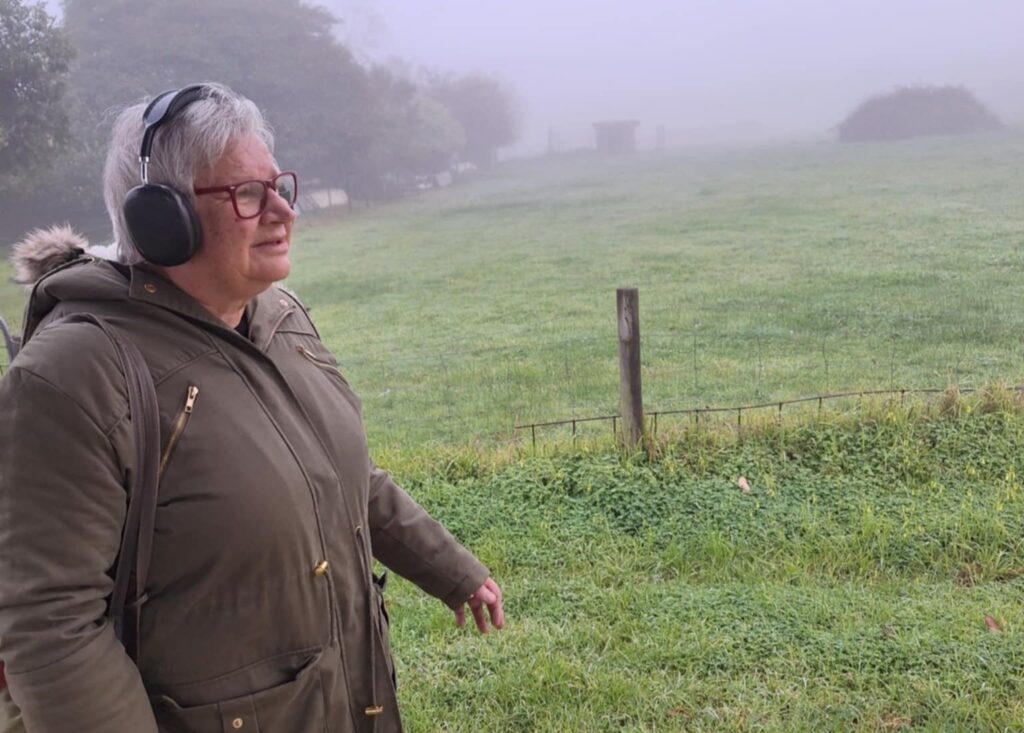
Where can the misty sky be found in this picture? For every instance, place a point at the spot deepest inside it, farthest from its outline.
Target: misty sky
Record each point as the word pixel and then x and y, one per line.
pixel 708 69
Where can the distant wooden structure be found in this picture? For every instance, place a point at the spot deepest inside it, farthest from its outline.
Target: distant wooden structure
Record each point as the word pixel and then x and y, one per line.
pixel 617 136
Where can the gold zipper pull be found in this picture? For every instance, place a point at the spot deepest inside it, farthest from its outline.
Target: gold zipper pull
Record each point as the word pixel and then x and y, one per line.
pixel 190 401
pixel 179 427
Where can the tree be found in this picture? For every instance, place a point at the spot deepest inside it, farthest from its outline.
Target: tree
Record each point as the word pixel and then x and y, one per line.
pixel 34 58
pixel 416 137
pixel 280 53
pixel 337 121
pixel 434 140
pixel 486 110
pixel 911 112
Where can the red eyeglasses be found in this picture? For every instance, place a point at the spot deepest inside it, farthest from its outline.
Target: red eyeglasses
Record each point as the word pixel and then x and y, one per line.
pixel 250 197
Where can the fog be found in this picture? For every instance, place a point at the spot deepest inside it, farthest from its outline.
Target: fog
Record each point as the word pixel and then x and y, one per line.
pixel 709 70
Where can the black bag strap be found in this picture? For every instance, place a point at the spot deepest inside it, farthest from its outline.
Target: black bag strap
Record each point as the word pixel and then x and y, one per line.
pixel 133 561
pixel 10 341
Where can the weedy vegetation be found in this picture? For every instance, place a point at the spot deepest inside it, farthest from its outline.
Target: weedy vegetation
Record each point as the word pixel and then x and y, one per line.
pixel 872 579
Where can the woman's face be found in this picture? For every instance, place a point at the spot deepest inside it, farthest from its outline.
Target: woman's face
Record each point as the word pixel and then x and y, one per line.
pixel 240 258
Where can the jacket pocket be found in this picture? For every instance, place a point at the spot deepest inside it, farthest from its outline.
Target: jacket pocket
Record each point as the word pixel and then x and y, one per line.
pixel 295 706
pixel 324 363
pixel 178 427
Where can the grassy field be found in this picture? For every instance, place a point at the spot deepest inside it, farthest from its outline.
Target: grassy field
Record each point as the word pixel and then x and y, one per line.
pixel 764 273
pixel 873 578
pixel 848 591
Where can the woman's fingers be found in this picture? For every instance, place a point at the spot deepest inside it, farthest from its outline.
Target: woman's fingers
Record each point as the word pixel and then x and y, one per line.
pixel 479 616
pixel 487 596
pixel 494 606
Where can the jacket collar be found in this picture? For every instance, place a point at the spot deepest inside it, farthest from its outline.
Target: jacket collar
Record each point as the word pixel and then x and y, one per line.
pixel 265 312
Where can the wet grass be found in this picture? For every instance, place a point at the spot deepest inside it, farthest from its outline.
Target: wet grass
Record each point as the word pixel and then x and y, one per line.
pixel 764 273
pixel 848 591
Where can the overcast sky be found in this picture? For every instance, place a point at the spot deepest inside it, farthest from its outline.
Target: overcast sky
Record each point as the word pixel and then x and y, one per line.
pixel 707 69
pixel 710 70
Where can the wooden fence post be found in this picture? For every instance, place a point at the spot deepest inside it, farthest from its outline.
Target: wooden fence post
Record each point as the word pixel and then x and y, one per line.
pixel 631 402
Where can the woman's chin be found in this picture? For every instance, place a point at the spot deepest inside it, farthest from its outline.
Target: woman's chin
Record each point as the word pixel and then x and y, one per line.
pixel 272 262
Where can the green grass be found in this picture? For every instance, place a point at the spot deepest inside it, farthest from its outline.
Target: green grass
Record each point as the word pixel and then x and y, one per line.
pixel 847 592
pixel 764 273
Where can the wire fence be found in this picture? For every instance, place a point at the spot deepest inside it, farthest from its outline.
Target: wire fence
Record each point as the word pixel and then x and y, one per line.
pixel 699 414
pixel 473 390
pixel 539 379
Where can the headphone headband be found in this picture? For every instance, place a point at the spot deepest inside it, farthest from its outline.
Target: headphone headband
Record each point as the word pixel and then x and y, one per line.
pixel 162 109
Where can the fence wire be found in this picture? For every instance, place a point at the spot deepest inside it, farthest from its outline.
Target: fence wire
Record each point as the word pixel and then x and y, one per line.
pixel 490 391
pixel 479 387
pixel 699 414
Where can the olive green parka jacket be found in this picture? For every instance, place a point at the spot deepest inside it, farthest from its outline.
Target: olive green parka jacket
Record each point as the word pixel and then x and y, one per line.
pixel 262 613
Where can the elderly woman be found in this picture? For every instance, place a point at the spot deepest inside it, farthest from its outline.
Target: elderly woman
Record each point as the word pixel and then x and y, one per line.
pixel 261 612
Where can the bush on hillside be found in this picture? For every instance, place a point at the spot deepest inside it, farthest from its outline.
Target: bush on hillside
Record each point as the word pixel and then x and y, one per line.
pixel 917 111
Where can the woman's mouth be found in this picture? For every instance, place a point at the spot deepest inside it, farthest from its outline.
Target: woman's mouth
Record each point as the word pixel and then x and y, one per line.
pixel 272 248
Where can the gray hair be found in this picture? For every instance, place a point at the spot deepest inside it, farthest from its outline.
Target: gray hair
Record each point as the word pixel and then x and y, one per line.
pixel 193 141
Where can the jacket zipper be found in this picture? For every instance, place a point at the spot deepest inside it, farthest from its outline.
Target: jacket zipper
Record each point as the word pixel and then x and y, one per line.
pixel 178 428
pixel 322 363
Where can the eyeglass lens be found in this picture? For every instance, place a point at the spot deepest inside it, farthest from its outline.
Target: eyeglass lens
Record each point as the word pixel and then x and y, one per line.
pixel 251 196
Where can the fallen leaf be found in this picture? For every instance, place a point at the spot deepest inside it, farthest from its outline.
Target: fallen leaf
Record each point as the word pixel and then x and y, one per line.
pixel 993 625
pixel 742 483
pixel 968 574
pixel 891 721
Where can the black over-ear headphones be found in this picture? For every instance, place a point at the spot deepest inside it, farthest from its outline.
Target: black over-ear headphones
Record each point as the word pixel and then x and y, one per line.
pixel 161 220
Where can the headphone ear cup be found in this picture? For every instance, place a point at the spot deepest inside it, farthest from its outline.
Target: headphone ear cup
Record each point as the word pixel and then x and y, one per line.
pixel 163 224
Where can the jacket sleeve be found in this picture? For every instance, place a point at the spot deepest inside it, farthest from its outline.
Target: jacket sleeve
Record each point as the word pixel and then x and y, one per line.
pixel 62 506
pixel 413 544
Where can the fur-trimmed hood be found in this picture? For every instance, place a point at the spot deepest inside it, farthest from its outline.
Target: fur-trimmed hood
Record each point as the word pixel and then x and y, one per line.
pixel 44 250
pixel 43 262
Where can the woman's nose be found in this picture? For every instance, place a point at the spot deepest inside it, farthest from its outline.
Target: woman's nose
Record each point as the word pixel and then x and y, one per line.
pixel 278 207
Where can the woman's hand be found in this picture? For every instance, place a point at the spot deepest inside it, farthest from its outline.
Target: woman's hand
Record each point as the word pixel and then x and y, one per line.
pixel 487 595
